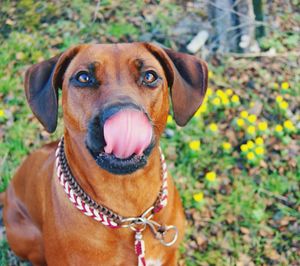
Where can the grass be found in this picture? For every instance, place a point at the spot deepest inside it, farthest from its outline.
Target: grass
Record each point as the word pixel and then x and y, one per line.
pixel 242 202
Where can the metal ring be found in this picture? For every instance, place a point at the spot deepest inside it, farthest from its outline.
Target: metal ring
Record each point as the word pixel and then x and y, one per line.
pixel 138 223
pixel 133 221
pixel 168 244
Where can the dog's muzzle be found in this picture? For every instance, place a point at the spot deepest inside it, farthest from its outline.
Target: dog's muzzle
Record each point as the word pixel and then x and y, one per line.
pixel 120 138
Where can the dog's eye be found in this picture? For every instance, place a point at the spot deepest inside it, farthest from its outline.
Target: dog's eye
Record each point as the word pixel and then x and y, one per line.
pixel 150 78
pixel 83 77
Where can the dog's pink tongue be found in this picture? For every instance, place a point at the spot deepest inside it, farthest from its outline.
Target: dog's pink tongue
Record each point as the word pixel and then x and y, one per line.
pixel 126 133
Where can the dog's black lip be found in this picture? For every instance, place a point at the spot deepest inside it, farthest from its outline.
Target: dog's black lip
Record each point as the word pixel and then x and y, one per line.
pixel 128 165
pixel 120 166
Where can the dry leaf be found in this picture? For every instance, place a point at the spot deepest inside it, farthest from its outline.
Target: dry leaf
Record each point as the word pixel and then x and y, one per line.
pixel 271 254
pixel 202 241
pixel 244 260
pixel 245 230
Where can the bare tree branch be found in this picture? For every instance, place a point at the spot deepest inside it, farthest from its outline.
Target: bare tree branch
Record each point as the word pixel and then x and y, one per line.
pixel 96 10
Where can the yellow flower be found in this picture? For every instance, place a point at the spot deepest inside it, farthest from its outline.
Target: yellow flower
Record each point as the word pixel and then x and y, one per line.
pixel 170 119
pixel 251 130
pixel 201 109
pixel 283 105
pixel 210 176
pixel 252 104
pixel 259 150
pixel 209 92
pixel 2 114
pixel 213 127
pixel 229 92
pixel 276 85
pixel 259 141
pixel 278 128
pixel 285 85
pixel 216 101
pixel 198 196
pixel 225 100
pixel 250 156
pixel 252 118
pixel 240 122
pixel 288 124
pixel 279 99
pixel 235 98
pixel 220 93
pixel 210 74
pixel 262 126
pixel 244 114
pixel 195 145
pixel 250 144
pixel 244 148
pixel 226 146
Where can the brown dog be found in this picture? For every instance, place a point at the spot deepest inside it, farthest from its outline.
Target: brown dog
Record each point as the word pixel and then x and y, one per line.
pixel 115 105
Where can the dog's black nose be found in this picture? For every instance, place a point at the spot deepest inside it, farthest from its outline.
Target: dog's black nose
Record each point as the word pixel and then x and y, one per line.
pixel 113 108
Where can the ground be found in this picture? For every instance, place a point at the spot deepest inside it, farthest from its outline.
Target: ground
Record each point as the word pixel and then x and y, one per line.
pixel 236 164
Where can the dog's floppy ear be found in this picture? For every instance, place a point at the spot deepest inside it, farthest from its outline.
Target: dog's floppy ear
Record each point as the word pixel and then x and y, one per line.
pixel 42 81
pixel 187 78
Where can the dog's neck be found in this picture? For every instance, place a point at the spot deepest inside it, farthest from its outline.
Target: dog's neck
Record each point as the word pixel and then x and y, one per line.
pixel 127 195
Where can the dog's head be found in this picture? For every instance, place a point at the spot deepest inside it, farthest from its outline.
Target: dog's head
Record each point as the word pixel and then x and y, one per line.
pixel 117 95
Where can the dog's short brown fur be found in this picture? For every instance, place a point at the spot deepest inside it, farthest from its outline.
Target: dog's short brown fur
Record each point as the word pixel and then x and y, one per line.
pixel 42 225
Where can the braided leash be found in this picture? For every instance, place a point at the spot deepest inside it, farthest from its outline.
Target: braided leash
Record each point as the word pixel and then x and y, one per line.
pixel 107 217
pixel 139 245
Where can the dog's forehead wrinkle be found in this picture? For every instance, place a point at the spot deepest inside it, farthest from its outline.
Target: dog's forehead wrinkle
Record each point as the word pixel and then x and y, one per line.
pixel 89 53
pixel 138 52
pixel 117 66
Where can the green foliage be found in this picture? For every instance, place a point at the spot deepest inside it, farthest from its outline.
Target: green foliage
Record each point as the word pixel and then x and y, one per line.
pixel 119 30
pixel 3 253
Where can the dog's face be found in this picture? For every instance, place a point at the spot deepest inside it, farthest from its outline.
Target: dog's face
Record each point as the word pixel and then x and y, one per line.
pixel 118 96
pixel 112 92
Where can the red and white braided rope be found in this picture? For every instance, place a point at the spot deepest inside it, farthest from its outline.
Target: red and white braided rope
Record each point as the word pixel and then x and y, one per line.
pixel 139 246
pixel 164 197
pixel 78 202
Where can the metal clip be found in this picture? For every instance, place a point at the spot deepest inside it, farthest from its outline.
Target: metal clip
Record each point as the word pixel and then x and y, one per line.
pixel 139 224
pixel 160 231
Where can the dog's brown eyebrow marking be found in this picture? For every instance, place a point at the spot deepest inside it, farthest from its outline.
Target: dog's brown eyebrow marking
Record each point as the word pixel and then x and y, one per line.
pixel 139 63
pixel 142 64
pixel 92 70
pixel 92 67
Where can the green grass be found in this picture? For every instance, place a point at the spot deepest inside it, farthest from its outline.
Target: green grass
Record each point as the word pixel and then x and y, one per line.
pixel 250 211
